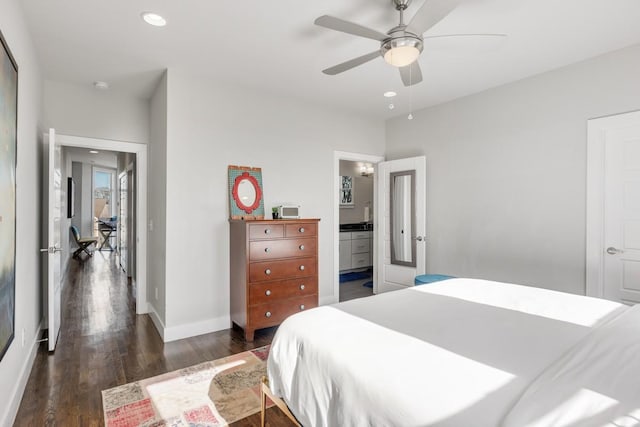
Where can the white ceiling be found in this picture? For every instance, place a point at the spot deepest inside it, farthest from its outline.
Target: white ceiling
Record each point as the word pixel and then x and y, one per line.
pixel 274 46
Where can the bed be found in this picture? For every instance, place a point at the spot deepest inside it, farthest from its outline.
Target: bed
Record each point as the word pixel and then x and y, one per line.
pixel 461 352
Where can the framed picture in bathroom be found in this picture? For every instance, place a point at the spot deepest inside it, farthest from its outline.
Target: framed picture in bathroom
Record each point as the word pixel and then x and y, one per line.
pixel 346 192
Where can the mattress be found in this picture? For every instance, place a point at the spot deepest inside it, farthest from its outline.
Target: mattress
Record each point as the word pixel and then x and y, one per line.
pixel 455 353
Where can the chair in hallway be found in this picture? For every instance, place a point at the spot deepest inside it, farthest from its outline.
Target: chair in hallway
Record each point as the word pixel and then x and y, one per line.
pixel 82 242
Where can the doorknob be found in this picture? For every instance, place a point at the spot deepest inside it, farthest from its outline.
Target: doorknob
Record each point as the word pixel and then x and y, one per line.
pixel 612 251
pixel 51 250
pixel 419 238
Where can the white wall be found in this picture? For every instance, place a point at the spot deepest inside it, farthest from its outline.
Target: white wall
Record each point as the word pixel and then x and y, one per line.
pixel 84 111
pixel 157 204
pixel 212 126
pixel 362 193
pixel 16 364
pixel 506 171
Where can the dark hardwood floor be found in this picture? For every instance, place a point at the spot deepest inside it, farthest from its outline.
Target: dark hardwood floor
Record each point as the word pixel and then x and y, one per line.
pixel 103 343
pixel 354 289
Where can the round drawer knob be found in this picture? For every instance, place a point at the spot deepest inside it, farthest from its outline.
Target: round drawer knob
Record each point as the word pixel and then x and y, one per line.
pixel 267 249
pixel 301 229
pixel 267 272
pixel 302 287
pixel 267 314
pixel 301 306
pixel 268 292
pixel 267 231
pixel 301 247
pixel 302 268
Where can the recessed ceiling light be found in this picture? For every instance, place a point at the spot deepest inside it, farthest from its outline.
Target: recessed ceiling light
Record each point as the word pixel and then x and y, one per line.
pixel 390 94
pixel 101 85
pixel 93 151
pixel 153 19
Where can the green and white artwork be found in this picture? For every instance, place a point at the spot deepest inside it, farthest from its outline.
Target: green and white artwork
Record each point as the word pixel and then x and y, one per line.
pixel 8 142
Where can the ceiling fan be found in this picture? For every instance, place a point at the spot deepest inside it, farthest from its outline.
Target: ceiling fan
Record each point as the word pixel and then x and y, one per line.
pixel 402 45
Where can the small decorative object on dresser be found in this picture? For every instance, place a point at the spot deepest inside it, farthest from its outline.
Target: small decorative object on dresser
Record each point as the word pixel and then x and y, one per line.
pixel 274 271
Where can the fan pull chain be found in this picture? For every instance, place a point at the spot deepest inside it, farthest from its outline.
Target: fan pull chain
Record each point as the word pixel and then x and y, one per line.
pixel 410 116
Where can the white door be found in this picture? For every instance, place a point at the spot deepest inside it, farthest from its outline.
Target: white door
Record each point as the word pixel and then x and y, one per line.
pixel 53 182
pixel 400 227
pixel 622 215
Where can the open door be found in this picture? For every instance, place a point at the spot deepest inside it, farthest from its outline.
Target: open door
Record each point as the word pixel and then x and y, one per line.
pixel 400 229
pixel 53 184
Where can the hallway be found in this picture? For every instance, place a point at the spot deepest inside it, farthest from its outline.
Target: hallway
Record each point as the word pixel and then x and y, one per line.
pixel 103 343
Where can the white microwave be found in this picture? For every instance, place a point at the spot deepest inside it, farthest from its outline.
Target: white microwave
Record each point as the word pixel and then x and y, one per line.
pixel 289 211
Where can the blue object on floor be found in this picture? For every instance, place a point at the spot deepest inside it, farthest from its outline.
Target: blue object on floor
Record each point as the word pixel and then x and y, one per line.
pixel 354 275
pixel 368 284
pixel 424 279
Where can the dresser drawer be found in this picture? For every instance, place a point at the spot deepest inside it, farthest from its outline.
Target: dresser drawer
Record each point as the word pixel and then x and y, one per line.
pixel 283 248
pixel 266 231
pixel 360 260
pixel 274 270
pixel 359 246
pixel 269 292
pixel 264 315
pixel 300 230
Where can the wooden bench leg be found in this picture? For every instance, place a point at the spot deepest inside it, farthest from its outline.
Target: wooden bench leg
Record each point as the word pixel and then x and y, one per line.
pixel 265 392
pixel 263 402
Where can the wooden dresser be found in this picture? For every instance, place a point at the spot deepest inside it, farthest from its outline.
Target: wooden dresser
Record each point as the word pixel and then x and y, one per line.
pixel 274 271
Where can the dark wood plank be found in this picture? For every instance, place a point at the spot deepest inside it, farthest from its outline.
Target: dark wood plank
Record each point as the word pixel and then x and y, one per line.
pixel 103 344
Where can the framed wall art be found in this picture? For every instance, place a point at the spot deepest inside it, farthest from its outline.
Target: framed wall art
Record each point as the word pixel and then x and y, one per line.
pixel 246 200
pixel 8 151
pixel 346 192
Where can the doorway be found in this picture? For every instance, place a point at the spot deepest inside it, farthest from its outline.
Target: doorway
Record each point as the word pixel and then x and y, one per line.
pixel 354 224
pixel 613 208
pixel 132 160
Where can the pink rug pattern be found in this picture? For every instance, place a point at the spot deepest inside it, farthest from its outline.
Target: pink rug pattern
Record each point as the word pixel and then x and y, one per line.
pixel 211 394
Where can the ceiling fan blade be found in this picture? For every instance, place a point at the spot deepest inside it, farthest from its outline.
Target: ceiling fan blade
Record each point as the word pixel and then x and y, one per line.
pixel 349 28
pixel 431 12
pixel 337 69
pixel 411 74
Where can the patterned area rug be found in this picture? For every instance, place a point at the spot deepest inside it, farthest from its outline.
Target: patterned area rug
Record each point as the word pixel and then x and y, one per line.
pixel 206 395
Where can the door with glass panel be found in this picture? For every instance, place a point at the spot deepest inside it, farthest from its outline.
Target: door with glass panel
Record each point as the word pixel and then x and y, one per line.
pixel 104 207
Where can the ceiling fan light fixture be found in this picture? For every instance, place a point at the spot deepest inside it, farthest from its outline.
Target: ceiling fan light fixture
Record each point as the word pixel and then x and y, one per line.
pixel 402 51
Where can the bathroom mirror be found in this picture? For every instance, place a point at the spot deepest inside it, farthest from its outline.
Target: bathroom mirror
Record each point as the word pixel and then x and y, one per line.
pixel 402 216
pixel 245 195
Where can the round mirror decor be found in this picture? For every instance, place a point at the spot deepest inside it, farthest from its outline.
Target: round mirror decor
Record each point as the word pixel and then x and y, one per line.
pixel 245 193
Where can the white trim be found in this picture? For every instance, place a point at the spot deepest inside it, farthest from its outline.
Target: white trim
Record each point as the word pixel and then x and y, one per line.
pixel 140 150
pixel 188 330
pixel 157 321
pixel 9 416
pixel 355 157
pixel 202 327
pixel 596 137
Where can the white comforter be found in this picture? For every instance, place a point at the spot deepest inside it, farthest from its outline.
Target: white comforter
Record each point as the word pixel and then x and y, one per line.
pixel 455 353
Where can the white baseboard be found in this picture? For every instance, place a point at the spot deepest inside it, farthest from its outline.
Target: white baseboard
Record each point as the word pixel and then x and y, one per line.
pixel 21 384
pixel 187 330
pixel 155 318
